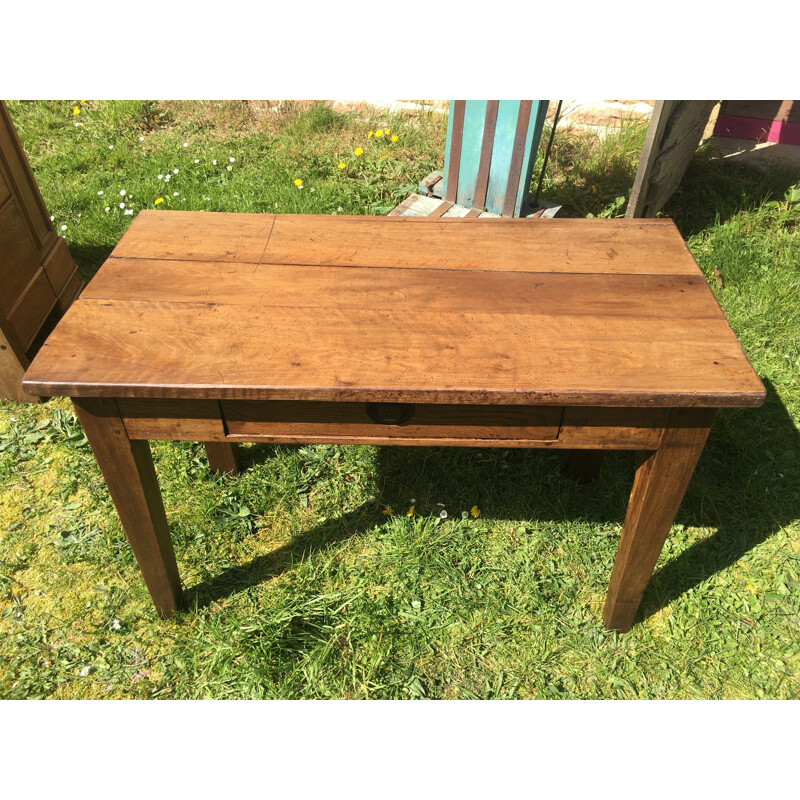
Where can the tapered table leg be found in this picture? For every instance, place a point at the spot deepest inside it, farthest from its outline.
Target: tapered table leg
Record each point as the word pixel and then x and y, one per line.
pixel 127 467
pixel 658 489
pixel 223 457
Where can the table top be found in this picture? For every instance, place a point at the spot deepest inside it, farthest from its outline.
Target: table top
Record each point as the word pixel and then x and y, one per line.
pixel 483 311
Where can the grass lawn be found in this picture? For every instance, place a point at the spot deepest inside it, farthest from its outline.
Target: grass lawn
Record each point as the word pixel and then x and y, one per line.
pixel 328 572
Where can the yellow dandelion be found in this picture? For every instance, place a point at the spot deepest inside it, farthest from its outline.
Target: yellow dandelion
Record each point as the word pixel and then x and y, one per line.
pixel 410 512
pixel 359 151
pixel 475 511
pixel 378 134
pixel 370 134
pixel 76 111
pixel 388 510
pixel 342 165
pixel 159 200
pixel 394 137
pixel 298 182
pixel 83 101
pixel 594 189
pixel 751 588
pixel 388 131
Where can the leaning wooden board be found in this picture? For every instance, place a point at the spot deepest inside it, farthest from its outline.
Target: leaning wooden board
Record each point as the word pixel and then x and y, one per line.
pixel 577 334
pixel 38 279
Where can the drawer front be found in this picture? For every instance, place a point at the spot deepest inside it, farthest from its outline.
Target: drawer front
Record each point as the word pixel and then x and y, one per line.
pixel 18 259
pixel 458 424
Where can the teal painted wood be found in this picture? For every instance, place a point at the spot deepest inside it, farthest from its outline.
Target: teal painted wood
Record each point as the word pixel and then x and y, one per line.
pixel 502 149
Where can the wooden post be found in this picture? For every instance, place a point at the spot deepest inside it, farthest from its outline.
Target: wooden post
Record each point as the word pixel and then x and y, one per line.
pixel 658 489
pixel 127 467
pixel 224 457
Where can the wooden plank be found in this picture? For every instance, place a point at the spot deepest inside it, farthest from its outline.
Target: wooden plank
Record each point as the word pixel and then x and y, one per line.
pixel 189 420
pixel 195 235
pixel 18 258
pixel 441 209
pixel 517 157
pixel 768 110
pixel 672 137
pixel 556 295
pixel 658 490
pixel 127 467
pixel 455 135
pixel 482 182
pixel 551 245
pixel 179 349
pixel 471 141
pixel 32 308
pixel 427 422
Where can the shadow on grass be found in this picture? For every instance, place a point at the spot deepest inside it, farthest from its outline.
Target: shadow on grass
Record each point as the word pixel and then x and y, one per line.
pixel 714 189
pixel 89 258
pixel 727 492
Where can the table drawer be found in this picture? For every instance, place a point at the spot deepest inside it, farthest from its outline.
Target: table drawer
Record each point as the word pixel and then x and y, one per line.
pixel 420 423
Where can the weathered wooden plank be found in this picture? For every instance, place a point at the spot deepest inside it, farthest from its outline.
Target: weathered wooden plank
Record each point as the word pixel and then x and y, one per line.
pixel 420 291
pixel 195 235
pixel 180 349
pixel 672 137
pixel 452 159
pixel 552 245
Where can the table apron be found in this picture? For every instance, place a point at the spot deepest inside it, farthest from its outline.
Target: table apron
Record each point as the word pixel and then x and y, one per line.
pixel 295 422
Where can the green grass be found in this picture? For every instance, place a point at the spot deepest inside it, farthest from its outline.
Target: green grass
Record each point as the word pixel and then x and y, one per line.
pixel 299 584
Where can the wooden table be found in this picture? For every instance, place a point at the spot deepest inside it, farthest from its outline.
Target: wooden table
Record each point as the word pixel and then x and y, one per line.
pixel 223 328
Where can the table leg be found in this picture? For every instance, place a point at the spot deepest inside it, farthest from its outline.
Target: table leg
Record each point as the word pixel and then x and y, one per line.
pixel 127 466
pixel 658 489
pixel 224 457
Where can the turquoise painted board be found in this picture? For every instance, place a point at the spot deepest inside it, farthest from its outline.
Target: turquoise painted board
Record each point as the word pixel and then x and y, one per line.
pixel 506 172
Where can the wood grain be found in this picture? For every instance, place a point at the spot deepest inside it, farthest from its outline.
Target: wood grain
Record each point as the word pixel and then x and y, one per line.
pixel 176 349
pixel 18 259
pixel 193 420
pixel 544 245
pixel 127 467
pixel 32 308
pixel 190 235
pixel 658 490
pixel 224 457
